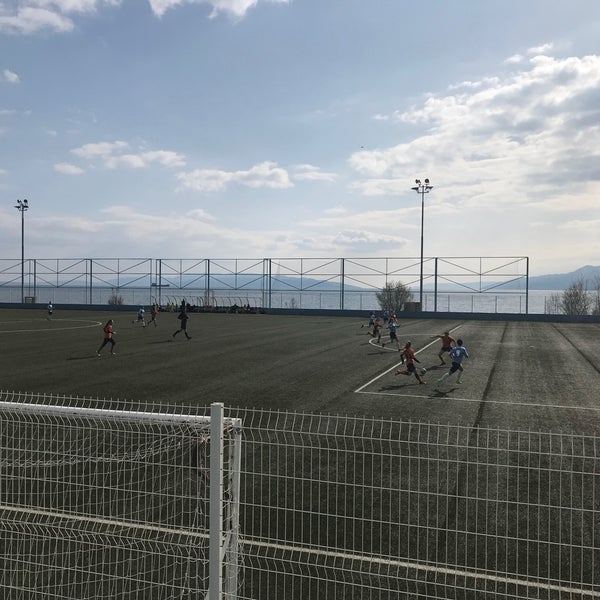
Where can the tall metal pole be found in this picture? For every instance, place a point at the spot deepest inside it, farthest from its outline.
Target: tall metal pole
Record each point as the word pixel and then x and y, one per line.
pixel 422 224
pixel 22 206
pixel 422 188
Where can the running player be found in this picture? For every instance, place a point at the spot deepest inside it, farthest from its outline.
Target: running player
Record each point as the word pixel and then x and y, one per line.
pixel 183 317
pixel 408 357
pixel 457 354
pixel 393 326
pixel 108 338
pixel 140 317
pixel 153 315
pixel 447 342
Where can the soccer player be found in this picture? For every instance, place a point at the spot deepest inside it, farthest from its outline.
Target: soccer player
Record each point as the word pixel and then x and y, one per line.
pixel 153 315
pixel 393 326
pixel 183 317
pixel 408 357
pixel 140 317
pixel 371 320
pixel 376 333
pixel 108 338
pixel 447 342
pixel 457 354
pixel 50 310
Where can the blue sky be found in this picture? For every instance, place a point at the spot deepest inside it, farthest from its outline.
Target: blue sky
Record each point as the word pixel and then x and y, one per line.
pixel 296 128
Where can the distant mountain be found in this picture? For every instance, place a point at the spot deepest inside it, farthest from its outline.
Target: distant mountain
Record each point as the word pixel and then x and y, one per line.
pixel 279 283
pixel 588 274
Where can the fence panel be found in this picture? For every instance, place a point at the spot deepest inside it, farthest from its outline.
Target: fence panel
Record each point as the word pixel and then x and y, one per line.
pixel 336 507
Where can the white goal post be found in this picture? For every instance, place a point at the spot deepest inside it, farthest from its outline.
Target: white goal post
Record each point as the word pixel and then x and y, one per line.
pixel 119 503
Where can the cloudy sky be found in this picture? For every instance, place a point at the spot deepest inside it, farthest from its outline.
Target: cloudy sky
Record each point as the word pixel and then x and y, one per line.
pixel 296 128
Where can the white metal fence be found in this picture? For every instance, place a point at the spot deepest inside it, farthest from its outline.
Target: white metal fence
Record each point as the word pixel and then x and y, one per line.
pixel 330 508
pixel 338 507
pixel 106 502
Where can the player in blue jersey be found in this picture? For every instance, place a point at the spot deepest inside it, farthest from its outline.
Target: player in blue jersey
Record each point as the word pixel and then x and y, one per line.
pixel 457 354
pixel 140 317
pixel 393 326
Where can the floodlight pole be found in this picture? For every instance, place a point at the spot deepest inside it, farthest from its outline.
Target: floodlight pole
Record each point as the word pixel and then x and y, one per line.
pixel 422 188
pixel 22 206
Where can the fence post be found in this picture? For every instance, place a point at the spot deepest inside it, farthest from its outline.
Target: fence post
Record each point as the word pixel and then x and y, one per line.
pixel 215 573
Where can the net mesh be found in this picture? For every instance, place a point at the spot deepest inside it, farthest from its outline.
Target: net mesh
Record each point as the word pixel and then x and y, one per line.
pixel 94 504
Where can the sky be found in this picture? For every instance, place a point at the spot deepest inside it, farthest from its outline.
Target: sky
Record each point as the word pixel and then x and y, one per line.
pixel 297 128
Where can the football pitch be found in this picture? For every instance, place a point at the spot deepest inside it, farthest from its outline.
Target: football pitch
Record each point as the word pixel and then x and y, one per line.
pixel 458 494
pixel 520 375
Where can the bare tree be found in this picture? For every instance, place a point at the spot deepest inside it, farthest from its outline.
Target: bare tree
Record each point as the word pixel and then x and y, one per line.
pixel 596 296
pixel 575 300
pixel 393 296
pixel 552 305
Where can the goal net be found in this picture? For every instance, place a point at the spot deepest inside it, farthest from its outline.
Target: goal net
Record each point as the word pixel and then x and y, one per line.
pixel 98 502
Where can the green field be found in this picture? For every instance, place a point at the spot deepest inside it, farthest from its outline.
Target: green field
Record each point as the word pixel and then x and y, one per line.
pixel 540 376
pixel 490 483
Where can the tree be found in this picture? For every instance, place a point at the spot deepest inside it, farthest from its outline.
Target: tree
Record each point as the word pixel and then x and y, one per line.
pixel 596 296
pixel 575 299
pixel 115 299
pixel 393 296
pixel 553 304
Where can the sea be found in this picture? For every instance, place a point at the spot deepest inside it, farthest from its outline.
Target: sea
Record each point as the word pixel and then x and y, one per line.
pixel 537 302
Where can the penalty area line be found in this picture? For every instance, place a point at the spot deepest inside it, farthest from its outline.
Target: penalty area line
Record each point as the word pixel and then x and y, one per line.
pixel 478 400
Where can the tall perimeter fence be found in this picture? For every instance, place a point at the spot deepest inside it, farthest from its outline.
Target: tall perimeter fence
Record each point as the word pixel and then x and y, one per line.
pixel 307 507
pixel 457 284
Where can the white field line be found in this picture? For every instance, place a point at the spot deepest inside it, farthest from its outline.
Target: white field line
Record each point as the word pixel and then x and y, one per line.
pixel 362 387
pixel 58 328
pixel 432 396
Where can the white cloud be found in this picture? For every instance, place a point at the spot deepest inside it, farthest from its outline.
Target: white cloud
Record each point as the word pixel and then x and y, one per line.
pixel 100 149
pixel 312 173
pixel 532 130
pixel 543 49
pixel 29 20
pixel 113 155
pixel 514 59
pixel 205 180
pixel 577 226
pixel 68 169
pixel 336 210
pixel 9 76
pixel 73 6
pixel 33 16
pixel 236 9
pixel 263 175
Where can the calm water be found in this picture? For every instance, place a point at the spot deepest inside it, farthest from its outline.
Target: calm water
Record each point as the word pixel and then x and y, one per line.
pixel 446 302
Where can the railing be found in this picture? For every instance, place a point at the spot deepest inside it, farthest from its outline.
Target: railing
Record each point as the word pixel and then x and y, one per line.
pixel 466 284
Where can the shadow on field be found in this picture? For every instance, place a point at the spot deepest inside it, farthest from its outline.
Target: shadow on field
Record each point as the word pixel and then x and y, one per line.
pixel 437 393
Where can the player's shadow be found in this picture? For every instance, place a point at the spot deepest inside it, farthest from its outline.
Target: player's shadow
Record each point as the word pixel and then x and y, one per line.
pixel 390 388
pixel 401 385
pixel 437 393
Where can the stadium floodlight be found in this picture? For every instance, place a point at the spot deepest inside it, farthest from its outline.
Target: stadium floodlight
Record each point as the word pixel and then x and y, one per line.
pixel 22 206
pixel 422 188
